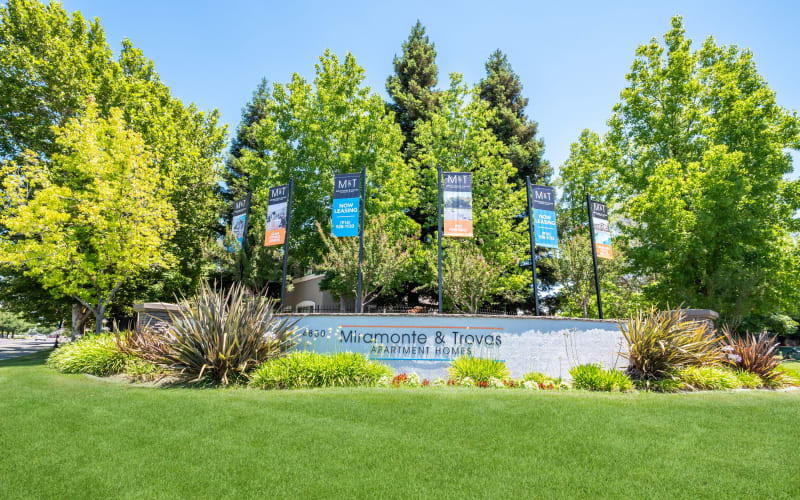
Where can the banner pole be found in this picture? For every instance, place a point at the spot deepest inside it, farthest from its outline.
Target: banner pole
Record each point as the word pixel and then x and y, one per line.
pixel 359 305
pixel 286 240
pixel 594 257
pixel 244 234
pixel 534 283
pixel 439 182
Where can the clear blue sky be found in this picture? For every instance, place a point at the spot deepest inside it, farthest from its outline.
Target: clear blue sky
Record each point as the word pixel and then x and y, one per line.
pixel 572 57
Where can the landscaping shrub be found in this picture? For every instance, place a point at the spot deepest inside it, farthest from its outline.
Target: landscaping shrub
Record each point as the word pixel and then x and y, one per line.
pixel 476 369
pixel 669 383
pixel 96 355
pixel 594 377
pixel 660 342
pixel 309 369
pixel 542 380
pixel 788 375
pixel 142 370
pixel 748 380
pixel 755 353
pixel 708 378
pixel 216 335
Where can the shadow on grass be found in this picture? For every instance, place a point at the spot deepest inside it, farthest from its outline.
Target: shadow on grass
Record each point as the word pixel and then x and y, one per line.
pixel 35 359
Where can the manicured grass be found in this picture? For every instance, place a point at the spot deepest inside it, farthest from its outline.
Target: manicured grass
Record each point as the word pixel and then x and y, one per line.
pixel 77 437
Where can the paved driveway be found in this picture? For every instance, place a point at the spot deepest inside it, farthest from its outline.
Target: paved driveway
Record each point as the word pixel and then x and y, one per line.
pixel 11 348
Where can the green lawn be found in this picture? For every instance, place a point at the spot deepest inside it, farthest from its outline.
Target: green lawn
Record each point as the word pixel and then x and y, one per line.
pixel 68 436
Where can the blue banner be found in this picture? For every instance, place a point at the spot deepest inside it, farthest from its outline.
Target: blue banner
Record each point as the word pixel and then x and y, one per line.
pixel 544 216
pixel 346 204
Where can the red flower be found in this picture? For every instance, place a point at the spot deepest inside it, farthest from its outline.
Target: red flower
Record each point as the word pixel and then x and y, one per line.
pixel 399 380
pixel 425 382
pixel 451 382
pixel 508 383
pixel 483 384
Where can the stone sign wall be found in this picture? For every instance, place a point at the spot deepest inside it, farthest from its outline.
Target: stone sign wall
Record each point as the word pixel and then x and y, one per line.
pixel 427 343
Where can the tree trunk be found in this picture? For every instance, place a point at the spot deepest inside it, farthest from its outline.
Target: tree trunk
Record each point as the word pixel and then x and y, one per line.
pixel 78 320
pixel 98 318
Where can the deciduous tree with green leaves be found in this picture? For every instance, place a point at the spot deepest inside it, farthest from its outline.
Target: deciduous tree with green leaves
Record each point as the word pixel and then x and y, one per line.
pixel 699 150
pixel 385 257
pixel 312 131
pixel 90 219
pixel 51 64
pixel 458 139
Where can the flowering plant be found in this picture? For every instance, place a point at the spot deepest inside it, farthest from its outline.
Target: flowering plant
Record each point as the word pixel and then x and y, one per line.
pixel 399 379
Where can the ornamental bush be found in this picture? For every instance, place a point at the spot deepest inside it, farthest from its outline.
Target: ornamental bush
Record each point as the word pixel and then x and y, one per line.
pixel 754 353
pixel 477 370
pixel 305 369
pixel 707 378
pixel 96 355
pixel 216 336
pixel 660 342
pixel 594 377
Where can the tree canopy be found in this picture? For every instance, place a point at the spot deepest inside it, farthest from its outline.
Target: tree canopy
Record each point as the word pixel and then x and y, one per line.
pixel 90 219
pixel 696 159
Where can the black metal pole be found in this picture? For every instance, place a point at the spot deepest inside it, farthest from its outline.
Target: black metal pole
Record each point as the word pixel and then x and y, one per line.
pixel 439 182
pixel 286 240
pixel 359 305
pixel 594 257
pixel 244 233
pixel 534 284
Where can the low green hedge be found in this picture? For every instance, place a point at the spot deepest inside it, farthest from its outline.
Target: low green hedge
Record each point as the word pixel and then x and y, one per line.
pixel 305 369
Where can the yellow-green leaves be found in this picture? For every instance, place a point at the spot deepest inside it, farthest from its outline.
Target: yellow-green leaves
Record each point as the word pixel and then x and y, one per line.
pixel 93 217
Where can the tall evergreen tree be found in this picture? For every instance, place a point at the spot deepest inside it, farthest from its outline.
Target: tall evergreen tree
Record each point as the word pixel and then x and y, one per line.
pixel 412 86
pixel 502 89
pixel 253 112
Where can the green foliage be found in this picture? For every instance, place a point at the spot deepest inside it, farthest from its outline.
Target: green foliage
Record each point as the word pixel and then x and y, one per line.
pixel 477 369
pixel 216 336
pixel 13 323
pixel 51 65
pixel 574 270
pixel 707 378
pixel 385 256
pixel 747 380
pixel 754 353
pixel 312 132
pixel 669 383
pixel 593 377
pixel 468 278
pixel 87 222
pixel 586 170
pixel 457 139
pixel 537 377
pixel 96 355
pixel 660 342
pixel 696 159
pixel 412 86
pixel 305 369
pixel 788 374
pixel 502 89
pixel 142 370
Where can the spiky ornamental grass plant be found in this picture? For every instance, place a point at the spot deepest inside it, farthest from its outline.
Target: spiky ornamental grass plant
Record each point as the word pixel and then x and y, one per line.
pixel 661 342
pixel 477 369
pixel 754 353
pixel 217 335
